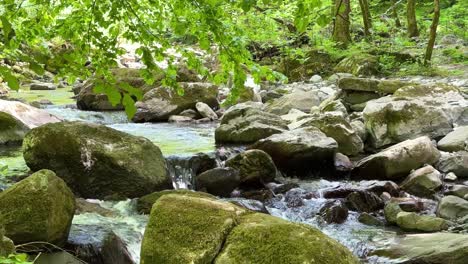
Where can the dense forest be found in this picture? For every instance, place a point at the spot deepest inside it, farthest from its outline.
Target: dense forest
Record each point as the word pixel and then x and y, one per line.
pixel 219 131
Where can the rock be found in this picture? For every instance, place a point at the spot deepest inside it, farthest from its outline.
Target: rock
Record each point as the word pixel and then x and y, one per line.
pixel 219 181
pixel 335 125
pixel 391 211
pixel 359 64
pixel 6 245
pixel 252 205
pixel 369 219
pixel 456 162
pixel 360 129
pixel 17 118
pixel 283 188
pixel 333 106
pixel 38 208
pixel 423 182
pixel 436 248
pixel 301 100
pixel 351 97
pixel 247 123
pixel 342 163
pixel 370 85
pixel 179 119
pixel 379 187
pixel 450 177
pixel 206 111
pixel 97 161
pixel 363 201
pixel 160 103
pixel 411 205
pixel 455 140
pixel 193 114
pixel 262 195
pixel 411 112
pixel 334 212
pixel 458 190
pixel 42 86
pixel 294 115
pixel 255 167
pixel 83 206
pixel 299 150
pixel 315 79
pixel 424 223
pixel 452 207
pixel 397 161
pixel 145 203
pixel 57 258
pixel 87 99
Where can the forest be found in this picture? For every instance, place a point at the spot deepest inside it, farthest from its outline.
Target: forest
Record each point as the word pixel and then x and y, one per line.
pixel 221 131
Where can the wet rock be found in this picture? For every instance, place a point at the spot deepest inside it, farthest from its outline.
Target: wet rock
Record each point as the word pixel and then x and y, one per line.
pixel 160 103
pixel 452 207
pixel 363 201
pixel 252 205
pixel 219 181
pixel 38 208
pixel 299 150
pixel 42 86
pixel 283 188
pixel 397 161
pixel 437 248
pixel 456 162
pixel 301 100
pixel 114 251
pixel 458 190
pixel 262 195
pixel 206 111
pixel 391 211
pixel 293 197
pixel 255 167
pixel 380 187
pixel 247 123
pixel 179 119
pixel 455 141
pixel 369 219
pixel 423 182
pixel 334 212
pixel 97 161
pixel 145 203
pixel 84 206
pixel 414 222
pixel 338 192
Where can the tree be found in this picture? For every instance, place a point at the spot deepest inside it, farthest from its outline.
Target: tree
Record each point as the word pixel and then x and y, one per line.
pixel 411 18
pixel 366 17
pixel 433 32
pixel 395 13
pixel 341 33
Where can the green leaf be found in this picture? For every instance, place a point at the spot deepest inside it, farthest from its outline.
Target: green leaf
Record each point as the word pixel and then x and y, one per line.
pixel 7 28
pixel 11 80
pixel 37 68
pixel 129 104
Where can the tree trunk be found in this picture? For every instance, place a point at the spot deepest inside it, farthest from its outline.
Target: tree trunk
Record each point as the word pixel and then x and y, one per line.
pixel 433 33
pixel 366 18
pixel 411 18
pixel 395 14
pixel 341 33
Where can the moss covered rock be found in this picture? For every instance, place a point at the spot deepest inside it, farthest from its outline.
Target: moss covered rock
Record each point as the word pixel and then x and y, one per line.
pixel 97 161
pixel 359 64
pixel 452 207
pixel 255 167
pixel 218 181
pixel 413 222
pixel 261 238
pixel 145 203
pixel 6 245
pixel 38 208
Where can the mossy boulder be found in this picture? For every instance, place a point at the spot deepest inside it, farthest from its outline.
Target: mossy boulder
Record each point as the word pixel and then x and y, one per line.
pixel 255 167
pixel 160 103
pixel 247 123
pixel 38 208
pixel 391 210
pixel 145 203
pixel 97 161
pixel 413 222
pixel 359 64
pixel 261 238
pixel 398 160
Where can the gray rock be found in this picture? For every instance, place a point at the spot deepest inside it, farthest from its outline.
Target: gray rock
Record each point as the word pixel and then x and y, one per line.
pixel 179 119
pixel 42 86
pixel 452 207
pixel 334 212
pixel 255 167
pixel 456 162
pixel 458 190
pixel 301 100
pixel 423 182
pixel 414 222
pixel 206 111
pixel 218 181
pixel 455 141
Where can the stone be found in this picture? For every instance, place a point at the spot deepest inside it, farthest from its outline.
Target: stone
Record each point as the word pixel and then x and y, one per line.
pixel 358 64
pixel 299 150
pixel 179 119
pixel 97 161
pixel 249 204
pixel 456 162
pixel 342 163
pixel 219 181
pixel 450 177
pixel 315 79
pixel 334 212
pixel 359 128
pixel 84 206
pixel 255 167
pixel 145 203
pixel 398 160
pixel 42 86
pixel 38 208
pixel 247 123
pixel 6 245
pixel 428 248
pixel 206 111
pixel 458 190
pixel 363 201
pixel 455 140
pixel 301 100
pixel 391 211
pixel 193 114
pixel 423 182
pixel 160 103
pixel 424 223
pixel 294 115
pixel 369 219
pixel 452 207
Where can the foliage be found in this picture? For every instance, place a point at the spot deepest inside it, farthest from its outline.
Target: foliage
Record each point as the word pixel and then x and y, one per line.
pixel 15 259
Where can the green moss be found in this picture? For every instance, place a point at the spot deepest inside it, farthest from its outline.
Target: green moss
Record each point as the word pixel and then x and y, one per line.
pixel 261 238
pixel 145 203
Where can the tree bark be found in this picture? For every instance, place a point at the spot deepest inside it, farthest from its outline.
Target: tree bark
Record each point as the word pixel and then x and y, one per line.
pixel 411 18
pixel 395 14
pixel 341 33
pixel 433 33
pixel 366 18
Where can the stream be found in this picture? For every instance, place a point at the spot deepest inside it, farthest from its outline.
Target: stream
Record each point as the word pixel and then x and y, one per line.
pixel 178 143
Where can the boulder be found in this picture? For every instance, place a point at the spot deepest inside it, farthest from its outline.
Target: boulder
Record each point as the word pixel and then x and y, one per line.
pixel 247 123
pixel 299 150
pixel 424 223
pixel 42 86
pixel 160 103
pixel 455 141
pixel 452 207
pixel 145 203
pixel 206 111
pixel 179 119
pixel 391 210
pixel 423 182
pixel 38 208
pixel 435 248
pixel 458 190
pixel 298 99
pixel 397 161
pixel 218 181
pixel 255 167
pixel 334 212
pixel 456 162
pixel 358 64
pixel 364 201
pixel 370 85
pixel 97 161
